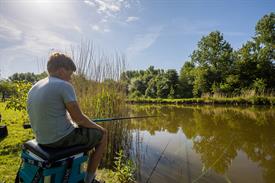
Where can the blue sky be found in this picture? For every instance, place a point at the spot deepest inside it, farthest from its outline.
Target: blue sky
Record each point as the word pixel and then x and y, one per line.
pixel 162 33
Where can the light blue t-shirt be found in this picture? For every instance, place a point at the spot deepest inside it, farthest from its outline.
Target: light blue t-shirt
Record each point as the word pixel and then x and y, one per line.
pixel 49 118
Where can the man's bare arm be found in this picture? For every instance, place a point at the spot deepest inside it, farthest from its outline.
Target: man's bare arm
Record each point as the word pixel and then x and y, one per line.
pixel 80 118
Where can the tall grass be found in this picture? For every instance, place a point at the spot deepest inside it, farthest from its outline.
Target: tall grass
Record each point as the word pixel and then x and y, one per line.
pixel 96 82
pixel 100 93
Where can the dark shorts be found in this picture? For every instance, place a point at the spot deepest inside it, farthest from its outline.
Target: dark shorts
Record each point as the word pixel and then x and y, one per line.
pixel 79 136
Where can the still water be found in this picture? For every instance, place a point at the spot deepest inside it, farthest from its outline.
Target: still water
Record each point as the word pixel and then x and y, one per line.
pixel 198 143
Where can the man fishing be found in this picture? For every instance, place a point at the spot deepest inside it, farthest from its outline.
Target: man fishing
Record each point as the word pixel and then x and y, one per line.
pixel 56 118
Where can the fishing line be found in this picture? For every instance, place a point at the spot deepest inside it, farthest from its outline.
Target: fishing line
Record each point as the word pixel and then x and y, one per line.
pixel 153 170
pixel 218 159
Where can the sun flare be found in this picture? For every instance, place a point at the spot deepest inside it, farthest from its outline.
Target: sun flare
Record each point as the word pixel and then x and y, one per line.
pixel 43 4
pixel 47 8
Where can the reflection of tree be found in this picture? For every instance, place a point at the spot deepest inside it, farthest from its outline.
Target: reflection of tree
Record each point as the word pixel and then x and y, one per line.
pixel 260 148
pixel 214 140
pixel 219 132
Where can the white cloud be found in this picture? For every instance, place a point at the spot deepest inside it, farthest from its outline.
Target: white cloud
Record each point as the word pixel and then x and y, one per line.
pixel 106 30
pixel 48 39
pixel 9 31
pixel 33 37
pixel 107 7
pixel 110 11
pixel 95 28
pixel 103 20
pixel 144 41
pixel 98 28
pixel 110 8
pixel 77 28
pixel 36 43
pixel 132 19
pixel 30 42
pixel 89 3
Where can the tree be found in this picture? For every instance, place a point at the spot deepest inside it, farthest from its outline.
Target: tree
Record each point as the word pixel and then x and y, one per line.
pixel 201 81
pixel 265 30
pixel 255 60
pixel 41 76
pixel 161 84
pixel 213 60
pixel 125 79
pixel 28 77
pixel 265 46
pixel 186 79
pixel 214 53
pixel 163 88
pixel 6 89
pixel 128 75
pixel 137 87
pixel 173 82
pixel 151 90
pixel 246 64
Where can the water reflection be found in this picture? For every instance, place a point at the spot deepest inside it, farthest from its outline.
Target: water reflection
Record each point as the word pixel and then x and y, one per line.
pixel 206 143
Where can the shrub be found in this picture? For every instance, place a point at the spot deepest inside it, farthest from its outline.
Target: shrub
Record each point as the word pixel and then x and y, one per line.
pixel 124 169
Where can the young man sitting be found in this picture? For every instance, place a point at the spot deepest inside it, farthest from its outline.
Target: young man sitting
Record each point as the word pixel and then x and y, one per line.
pixel 56 118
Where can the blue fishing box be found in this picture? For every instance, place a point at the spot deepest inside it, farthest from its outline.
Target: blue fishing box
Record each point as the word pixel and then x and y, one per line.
pixel 42 164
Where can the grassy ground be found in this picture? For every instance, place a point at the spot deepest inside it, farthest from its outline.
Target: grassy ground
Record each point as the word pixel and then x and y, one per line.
pixel 10 147
pixel 254 100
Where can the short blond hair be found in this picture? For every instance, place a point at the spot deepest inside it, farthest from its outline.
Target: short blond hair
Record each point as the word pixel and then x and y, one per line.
pixel 60 60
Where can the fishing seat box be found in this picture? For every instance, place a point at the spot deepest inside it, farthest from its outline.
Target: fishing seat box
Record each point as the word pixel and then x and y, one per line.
pixel 51 165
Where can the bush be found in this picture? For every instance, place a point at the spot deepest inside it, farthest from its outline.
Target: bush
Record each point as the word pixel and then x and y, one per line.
pixel 124 169
pixel 259 86
pixel 18 101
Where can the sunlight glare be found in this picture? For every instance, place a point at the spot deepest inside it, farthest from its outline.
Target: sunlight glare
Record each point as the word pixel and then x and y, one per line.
pixel 48 9
pixel 43 4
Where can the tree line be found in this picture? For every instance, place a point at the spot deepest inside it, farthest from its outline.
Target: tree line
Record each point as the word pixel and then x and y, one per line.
pixel 214 68
pixel 9 86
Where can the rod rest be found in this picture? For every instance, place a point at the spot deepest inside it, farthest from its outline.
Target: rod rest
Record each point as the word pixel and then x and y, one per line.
pixel 53 154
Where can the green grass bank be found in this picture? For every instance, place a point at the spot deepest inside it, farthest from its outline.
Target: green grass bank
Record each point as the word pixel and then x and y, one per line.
pixel 254 100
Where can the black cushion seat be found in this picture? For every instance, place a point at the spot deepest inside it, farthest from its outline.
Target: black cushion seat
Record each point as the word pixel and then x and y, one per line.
pixel 52 154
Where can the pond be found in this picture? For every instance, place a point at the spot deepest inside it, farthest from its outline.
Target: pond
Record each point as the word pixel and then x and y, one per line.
pixel 197 143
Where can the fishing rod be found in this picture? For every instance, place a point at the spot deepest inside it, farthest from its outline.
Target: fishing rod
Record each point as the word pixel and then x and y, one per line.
pixel 120 118
pixel 161 155
pixel 28 125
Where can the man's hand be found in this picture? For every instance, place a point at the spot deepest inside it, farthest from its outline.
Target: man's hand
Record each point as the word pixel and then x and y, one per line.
pixel 80 118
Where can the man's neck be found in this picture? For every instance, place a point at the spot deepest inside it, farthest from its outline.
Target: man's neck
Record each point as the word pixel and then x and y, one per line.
pixel 55 76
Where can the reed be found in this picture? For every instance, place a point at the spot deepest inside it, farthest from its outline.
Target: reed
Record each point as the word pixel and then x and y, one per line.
pixel 101 94
pixel 96 82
